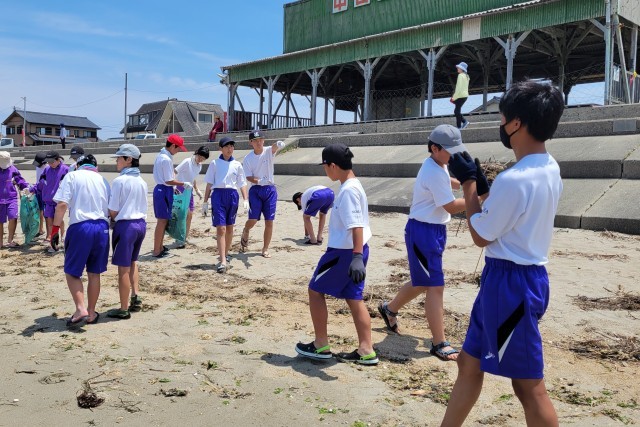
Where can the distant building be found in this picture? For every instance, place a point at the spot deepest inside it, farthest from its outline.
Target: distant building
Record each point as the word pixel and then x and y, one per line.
pixel 44 128
pixel 173 116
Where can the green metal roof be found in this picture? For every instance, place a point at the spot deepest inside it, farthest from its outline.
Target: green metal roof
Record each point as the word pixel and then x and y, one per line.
pixel 426 34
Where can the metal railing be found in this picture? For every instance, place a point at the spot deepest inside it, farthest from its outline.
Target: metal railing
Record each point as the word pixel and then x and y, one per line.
pixel 247 120
pixel 618 86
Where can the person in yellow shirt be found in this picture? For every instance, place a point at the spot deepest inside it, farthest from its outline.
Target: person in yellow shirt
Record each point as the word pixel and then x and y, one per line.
pixel 461 94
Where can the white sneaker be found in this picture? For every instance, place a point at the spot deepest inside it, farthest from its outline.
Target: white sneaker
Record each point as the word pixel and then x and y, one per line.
pixel 51 250
pixel 464 125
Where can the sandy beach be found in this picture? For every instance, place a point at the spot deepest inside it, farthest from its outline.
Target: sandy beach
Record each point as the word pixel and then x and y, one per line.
pixel 218 349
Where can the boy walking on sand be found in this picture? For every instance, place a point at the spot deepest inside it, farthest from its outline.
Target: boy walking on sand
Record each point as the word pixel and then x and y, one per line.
pixel 342 269
pixel 258 167
pixel 187 171
pixel 224 175
pixel 85 194
pixel 128 208
pixel 164 177
pixel 426 238
pixel 515 224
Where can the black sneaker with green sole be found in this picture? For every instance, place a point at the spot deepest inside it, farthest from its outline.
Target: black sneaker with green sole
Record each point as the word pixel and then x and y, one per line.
pixel 354 356
pixel 310 351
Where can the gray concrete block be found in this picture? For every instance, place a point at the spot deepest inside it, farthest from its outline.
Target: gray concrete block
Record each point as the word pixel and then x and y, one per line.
pixel 625 126
pixel 578 196
pixel 631 165
pixel 617 210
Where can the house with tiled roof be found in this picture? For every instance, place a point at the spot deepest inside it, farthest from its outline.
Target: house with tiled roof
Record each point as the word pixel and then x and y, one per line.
pixel 44 128
pixel 173 116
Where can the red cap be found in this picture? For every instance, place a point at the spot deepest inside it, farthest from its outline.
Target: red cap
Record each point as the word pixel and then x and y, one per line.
pixel 177 141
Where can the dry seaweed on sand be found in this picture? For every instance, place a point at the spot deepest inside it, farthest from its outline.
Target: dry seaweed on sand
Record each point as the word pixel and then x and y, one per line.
pixel 88 398
pixel 616 348
pixel 492 168
pixel 621 301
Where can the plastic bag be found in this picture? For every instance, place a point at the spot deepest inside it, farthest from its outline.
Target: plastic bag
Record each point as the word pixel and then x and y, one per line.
pixel 29 217
pixel 177 227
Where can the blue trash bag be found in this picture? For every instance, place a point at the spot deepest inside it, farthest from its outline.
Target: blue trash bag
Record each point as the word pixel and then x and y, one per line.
pixel 177 227
pixel 29 217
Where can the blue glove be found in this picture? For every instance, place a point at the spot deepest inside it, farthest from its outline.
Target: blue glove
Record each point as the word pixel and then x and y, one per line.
pixel 357 270
pixel 482 185
pixel 463 167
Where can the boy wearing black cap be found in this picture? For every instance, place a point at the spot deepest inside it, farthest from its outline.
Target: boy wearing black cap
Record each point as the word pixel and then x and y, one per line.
pixel 263 196
pixel 187 171
pixel 225 175
pixel 85 193
pixel 75 152
pixel 314 199
pixel 515 226
pixel 53 175
pixel 342 269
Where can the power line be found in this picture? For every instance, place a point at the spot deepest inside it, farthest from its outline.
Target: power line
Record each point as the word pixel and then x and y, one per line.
pixel 81 105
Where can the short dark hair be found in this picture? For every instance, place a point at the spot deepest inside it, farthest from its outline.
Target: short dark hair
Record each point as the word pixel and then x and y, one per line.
pixel 539 106
pixel 168 144
pixel 135 163
pixel 433 144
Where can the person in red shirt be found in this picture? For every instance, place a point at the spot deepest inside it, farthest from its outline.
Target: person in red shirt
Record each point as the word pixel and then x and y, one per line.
pixel 217 127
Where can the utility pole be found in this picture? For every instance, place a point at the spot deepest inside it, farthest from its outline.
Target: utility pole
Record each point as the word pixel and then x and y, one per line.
pixel 125 106
pixel 24 121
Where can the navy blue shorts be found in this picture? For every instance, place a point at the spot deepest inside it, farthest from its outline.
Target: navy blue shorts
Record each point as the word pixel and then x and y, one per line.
pixel 126 241
pixel 320 201
pixel 86 245
pixel 332 274
pixel 262 201
pixel 162 201
pixel 224 206
pixel 503 331
pixel 425 245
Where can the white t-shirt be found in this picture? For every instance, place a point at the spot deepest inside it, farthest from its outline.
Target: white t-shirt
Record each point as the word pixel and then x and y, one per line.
pixel 188 170
pixel 163 168
pixel 87 194
pixel 350 210
pixel 431 191
pixel 223 174
pixel 517 217
pixel 304 199
pixel 129 197
pixel 260 166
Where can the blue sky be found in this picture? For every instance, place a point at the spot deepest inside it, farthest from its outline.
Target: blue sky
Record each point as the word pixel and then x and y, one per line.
pixel 70 56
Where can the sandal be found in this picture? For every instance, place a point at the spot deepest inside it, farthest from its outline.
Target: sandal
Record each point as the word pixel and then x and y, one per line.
pixel 117 313
pixel 135 303
pixel 309 242
pixel 437 350
pixel 244 243
pixel 11 245
pixel 384 311
pixel 222 268
pixel 71 322
pixel 266 254
pixel 95 319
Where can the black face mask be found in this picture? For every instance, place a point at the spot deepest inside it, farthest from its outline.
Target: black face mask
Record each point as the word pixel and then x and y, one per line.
pixel 505 138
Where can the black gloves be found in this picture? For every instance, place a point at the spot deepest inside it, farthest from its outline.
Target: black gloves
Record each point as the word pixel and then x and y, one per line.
pixel 463 167
pixel 357 270
pixel 482 185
